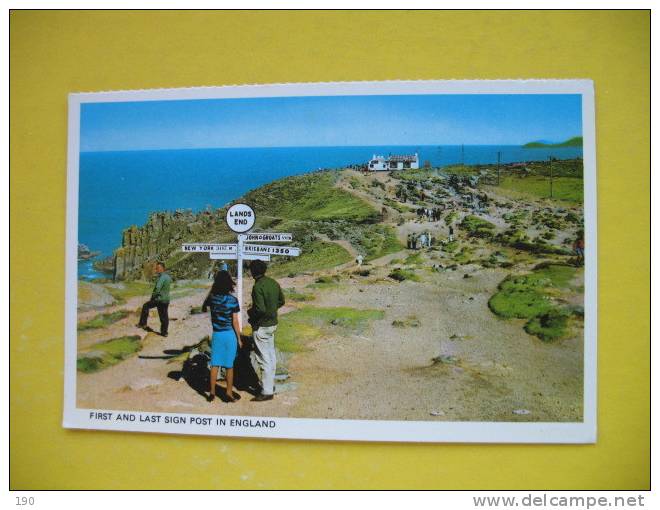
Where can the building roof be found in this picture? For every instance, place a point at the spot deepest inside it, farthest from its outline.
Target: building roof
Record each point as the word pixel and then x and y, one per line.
pixel 403 158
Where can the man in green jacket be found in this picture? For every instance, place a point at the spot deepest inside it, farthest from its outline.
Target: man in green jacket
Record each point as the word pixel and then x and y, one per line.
pixel 160 299
pixel 267 297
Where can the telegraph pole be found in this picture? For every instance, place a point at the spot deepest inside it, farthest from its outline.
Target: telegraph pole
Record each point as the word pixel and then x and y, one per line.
pixel 499 154
pixel 550 159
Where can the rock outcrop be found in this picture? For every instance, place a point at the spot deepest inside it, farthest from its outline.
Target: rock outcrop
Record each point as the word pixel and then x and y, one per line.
pixel 161 238
pixel 92 296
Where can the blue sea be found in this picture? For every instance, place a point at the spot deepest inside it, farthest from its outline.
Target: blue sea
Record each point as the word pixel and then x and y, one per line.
pixel 120 189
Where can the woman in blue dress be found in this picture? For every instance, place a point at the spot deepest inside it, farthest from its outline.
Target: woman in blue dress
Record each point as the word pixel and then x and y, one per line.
pixel 226 332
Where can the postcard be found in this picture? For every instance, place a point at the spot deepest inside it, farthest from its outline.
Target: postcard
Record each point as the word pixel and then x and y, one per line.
pixel 372 261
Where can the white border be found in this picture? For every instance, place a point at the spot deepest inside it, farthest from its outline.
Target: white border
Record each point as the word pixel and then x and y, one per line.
pixel 359 430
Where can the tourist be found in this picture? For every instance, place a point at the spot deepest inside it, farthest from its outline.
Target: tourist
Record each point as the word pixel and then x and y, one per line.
pixel 410 241
pixel 226 332
pixel 578 248
pixel 267 297
pixel 160 299
pixel 451 233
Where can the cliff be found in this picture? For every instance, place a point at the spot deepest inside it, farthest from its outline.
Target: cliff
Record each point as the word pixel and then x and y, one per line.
pixel 311 206
pixel 160 239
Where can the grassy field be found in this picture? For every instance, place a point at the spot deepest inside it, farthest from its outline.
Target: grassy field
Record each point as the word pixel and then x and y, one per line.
pixel 569 189
pixel 310 197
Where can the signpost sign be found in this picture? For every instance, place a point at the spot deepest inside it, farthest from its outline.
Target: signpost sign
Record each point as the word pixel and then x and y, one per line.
pixel 240 219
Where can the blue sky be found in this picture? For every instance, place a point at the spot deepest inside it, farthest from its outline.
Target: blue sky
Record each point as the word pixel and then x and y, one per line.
pixel 330 121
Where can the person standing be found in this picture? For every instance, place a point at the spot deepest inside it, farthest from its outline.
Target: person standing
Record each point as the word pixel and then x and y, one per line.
pixel 578 248
pixel 226 332
pixel 160 299
pixel 267 298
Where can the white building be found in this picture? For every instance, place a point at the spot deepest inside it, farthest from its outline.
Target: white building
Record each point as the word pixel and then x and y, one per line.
pixel 405 162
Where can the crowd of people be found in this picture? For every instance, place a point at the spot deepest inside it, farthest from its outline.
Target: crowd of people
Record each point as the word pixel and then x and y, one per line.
pixel 429 213
pixel 418 241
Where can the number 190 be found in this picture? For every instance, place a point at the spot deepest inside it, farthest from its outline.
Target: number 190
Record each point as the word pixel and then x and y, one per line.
pixel 24 500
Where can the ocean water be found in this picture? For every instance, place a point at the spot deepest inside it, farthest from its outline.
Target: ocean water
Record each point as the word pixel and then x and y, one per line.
pixel 120 189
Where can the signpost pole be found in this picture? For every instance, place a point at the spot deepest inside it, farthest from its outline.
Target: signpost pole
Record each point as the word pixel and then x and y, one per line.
pixel 239 278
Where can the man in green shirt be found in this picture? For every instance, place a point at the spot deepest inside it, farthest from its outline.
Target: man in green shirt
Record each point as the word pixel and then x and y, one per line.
pixel 267 297
pixel 160 299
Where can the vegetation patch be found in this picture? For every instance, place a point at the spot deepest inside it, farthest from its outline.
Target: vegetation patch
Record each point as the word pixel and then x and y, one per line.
pixel 451 217
pixel 294 295
pixel 409 322
pixel 401 275
pixel 110 352
pixel 315 256
pixel 549 326
pixel 309 323
pixel 534 297
pixel 326 281
pixel 477 227
pixel 415 258
pixel 569 189
pixel 125 290
pixel 103 319
pixel 310 197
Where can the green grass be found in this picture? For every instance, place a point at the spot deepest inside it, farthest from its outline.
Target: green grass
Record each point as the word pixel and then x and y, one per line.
pixel 378 241
pixel 409 322
pixel 103 319
pixel 110 352
pixel 315 256
pixel 477 227
pixel 401 275
pixel 531 296
pixel 294 295
pixel 129 289
pixel 412 175
pixel 569 189
pixel 397 206
pixel 415 258
pixel 548 326
pixel 310 197
pixel 449 219
pixel 309 323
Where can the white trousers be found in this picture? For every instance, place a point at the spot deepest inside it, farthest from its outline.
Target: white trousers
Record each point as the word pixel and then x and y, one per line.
pixel 264 341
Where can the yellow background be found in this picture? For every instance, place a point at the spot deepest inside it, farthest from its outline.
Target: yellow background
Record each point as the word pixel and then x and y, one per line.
pixel 54 53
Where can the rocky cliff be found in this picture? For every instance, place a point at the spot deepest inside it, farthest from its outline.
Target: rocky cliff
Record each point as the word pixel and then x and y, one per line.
pixel 161 238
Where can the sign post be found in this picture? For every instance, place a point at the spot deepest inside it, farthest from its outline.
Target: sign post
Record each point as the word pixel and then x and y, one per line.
pixel 240 219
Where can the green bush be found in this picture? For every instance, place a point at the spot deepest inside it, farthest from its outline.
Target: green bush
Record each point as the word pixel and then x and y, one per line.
pixel 549 326
pixel 401 275
pixel 477 227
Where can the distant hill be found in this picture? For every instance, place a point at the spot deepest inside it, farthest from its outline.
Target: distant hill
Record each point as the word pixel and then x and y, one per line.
pixel 576 141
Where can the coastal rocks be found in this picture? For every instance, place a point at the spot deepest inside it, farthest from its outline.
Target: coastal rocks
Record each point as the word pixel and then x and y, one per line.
pixel 92 295
pixel 84 253
pixel 160 239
